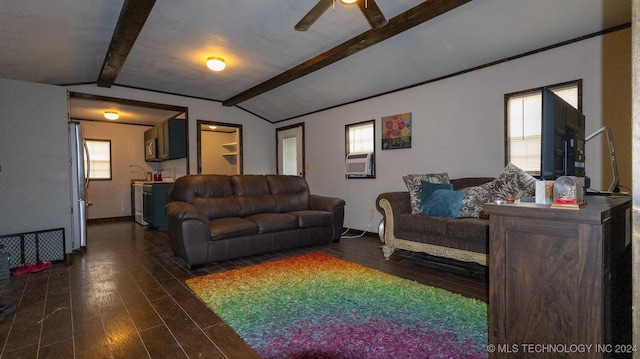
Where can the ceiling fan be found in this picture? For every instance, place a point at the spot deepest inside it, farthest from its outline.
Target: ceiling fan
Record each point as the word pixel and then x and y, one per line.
pixel 369 9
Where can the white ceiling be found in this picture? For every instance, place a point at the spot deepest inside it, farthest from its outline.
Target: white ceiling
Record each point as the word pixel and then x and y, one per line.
pixel 65 42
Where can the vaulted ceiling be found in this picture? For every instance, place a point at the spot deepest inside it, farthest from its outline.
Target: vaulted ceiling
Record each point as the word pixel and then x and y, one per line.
pixel 274 71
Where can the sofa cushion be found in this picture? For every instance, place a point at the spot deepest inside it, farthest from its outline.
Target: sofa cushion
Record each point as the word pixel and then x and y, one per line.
pixel 250 185
pixel 312 218
pixel 290 193
pixel 413 182
pixel 413 227
pixel 250 205
pixel 443 203
pixel 231 227
pixel 471 234
pixel 218 207
pixel 186 188
pixel 273 222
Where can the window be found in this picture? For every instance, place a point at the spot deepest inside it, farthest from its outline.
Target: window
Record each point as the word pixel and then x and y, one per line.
pixel 360 137
pixel 290 156
pixel 524 119
pixel 359 141
pixel 99 159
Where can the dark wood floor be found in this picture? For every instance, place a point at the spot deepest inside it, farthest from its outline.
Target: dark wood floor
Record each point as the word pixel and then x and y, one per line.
pixel 125 297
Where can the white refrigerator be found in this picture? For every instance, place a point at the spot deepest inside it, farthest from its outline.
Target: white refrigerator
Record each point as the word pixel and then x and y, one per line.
pixel 79 186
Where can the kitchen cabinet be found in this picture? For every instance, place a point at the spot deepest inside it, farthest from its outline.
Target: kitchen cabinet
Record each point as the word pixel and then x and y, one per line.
pixel 559 277
pixel 154 198
pixel 170 140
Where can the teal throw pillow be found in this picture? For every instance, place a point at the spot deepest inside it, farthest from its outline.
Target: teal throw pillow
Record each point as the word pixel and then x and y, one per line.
pixel 427 188
pixel 443 203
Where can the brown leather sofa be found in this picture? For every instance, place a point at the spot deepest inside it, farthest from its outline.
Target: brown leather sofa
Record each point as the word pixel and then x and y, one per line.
pixel 216 217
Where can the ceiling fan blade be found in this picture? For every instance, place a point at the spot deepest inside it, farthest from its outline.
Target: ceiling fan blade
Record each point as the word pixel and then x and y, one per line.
pixel 313 15
pixel 372 12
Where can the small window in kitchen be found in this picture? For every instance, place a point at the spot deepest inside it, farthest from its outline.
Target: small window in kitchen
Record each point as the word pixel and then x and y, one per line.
pixel 99 159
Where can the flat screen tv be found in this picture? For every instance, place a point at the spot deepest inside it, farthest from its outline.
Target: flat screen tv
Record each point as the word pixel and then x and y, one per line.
pixel 563 138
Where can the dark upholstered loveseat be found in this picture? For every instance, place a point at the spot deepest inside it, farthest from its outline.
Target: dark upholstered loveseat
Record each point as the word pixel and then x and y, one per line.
pixel 216 217
pixel 463 239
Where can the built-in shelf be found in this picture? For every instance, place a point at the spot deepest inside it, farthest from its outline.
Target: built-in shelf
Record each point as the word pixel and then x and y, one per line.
pixel 232 146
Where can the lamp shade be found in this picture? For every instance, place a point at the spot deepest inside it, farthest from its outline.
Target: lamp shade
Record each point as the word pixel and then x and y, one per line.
pixel 348 2
pixel 111 115
pixel 216 63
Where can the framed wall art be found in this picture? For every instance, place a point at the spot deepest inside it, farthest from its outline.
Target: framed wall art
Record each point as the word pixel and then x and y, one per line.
pixel 396 131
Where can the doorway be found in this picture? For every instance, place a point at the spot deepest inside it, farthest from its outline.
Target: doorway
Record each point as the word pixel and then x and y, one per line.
pixel 219 148
pixel 290 150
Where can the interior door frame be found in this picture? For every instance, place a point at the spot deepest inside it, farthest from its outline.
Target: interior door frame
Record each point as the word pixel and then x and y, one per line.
pixel 238 127
pixel 302 146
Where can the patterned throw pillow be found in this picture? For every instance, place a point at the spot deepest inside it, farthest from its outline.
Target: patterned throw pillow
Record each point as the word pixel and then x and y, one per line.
pixel 413 183
pixel 511 182
pixel 474 199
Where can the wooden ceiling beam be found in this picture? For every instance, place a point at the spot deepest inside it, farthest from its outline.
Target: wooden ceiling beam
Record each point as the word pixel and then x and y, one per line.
pixel 133 15
pixel 405 21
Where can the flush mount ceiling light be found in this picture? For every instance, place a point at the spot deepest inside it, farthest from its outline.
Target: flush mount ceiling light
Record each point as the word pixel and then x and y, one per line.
pixel 216 63
pixel 111 115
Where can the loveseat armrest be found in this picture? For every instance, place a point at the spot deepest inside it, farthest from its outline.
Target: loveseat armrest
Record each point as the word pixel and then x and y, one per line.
pixel 333 205
pixel 399 201
pixel 391 205
pixel 189 233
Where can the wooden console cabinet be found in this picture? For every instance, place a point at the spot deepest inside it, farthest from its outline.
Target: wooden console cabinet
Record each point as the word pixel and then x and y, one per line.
pixel 558 280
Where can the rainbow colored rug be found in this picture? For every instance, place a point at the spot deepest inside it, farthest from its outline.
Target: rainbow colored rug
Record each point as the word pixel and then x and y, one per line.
pixel 318 306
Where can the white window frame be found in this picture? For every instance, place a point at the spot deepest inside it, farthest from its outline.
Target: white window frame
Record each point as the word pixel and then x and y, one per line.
pixel 99 159
pixel 360 137
pixel 523 119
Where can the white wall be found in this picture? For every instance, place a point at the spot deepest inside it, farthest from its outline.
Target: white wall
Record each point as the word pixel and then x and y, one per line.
pixel 458 123
pixel 258 142
pixel 463 137
pixel 112 198
pixel 212 153
pixel 35 190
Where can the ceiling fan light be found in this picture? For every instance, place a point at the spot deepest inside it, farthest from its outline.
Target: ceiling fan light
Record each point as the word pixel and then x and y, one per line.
pixel 111 115
pixel 216 63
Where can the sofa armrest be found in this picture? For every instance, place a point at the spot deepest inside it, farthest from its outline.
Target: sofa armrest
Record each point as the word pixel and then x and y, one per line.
pixel 180 211
pixel 323 203
pixel 391 205
pixel 399 201
pixel 333 205
pixel 189 233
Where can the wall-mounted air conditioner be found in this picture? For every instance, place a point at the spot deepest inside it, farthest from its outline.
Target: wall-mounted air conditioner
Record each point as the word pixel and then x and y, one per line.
pixel 359 164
